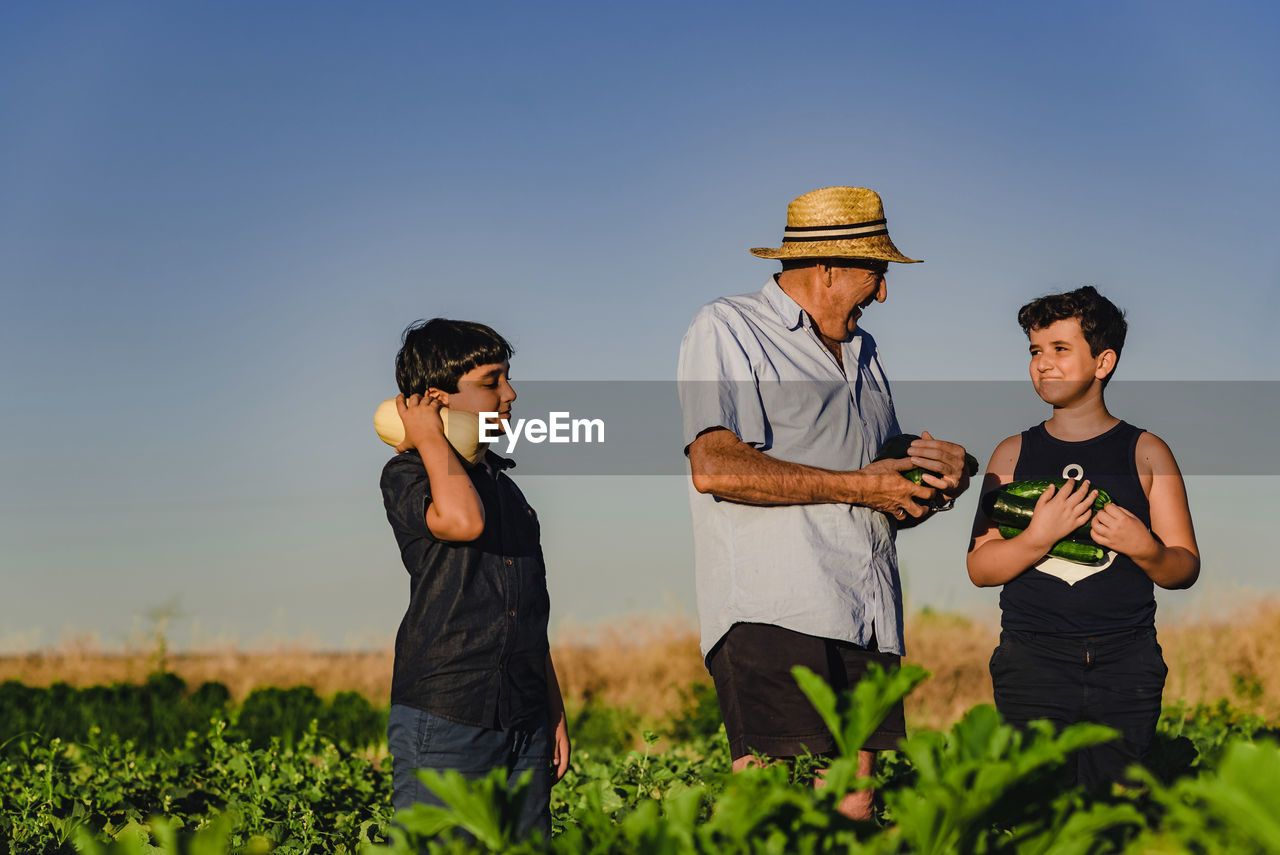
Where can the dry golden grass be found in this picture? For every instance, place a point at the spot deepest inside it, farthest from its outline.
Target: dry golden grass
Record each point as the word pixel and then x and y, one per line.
pixel 1236 656
pixel 955 649
pixel 637 663
pixel 643 663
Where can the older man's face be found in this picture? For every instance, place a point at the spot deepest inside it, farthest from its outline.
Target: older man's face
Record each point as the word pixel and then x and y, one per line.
pixel 859 283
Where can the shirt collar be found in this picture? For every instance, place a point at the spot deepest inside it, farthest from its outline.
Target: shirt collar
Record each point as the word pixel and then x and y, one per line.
pixel 496 462
pixel 492 462
pixel 788 309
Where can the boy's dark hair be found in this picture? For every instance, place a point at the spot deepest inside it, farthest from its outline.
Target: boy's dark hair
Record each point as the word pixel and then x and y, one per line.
pixel 1101 321
pixel 436 353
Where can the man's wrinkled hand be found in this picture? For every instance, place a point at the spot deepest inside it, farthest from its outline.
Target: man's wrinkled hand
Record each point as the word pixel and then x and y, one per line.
pixel 893 493
pixel 943 464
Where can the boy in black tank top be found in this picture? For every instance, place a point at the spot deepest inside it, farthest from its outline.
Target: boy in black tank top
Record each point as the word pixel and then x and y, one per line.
pixel 1078 641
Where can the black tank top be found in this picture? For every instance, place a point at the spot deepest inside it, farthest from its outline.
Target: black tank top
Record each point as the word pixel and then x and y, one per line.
pixel 1087 601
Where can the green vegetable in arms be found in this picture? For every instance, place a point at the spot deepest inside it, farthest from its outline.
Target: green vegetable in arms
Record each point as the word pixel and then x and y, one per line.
pixel 1069 550
pixel 1011 507
pixel 1033 489
pixel 1015 512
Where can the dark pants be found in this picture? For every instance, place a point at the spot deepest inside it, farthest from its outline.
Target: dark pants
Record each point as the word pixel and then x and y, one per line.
pixel 763 708
pixel 1115 679
pixel 420 740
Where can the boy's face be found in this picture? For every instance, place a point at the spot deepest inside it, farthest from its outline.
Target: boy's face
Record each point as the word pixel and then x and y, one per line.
pixel 483 389
pixel 1062 368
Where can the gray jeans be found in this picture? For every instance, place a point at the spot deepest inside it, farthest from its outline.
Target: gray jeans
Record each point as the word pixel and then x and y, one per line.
pixel 420 740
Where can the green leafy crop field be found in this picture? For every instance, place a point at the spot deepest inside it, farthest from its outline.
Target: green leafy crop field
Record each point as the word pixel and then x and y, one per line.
pixel 162 768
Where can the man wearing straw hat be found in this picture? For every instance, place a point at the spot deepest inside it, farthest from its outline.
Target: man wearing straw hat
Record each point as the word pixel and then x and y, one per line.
pixel 785 405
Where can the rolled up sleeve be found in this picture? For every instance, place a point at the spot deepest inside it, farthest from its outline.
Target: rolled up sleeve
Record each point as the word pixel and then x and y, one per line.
pixel 406 493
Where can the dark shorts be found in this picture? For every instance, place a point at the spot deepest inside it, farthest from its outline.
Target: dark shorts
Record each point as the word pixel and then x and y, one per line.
pixel 1115 679
pixel 764 711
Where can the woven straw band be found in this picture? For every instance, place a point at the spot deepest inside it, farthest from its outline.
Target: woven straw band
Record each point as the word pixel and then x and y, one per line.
pixel 853 230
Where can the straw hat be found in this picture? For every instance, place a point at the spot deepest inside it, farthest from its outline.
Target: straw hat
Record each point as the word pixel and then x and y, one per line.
pixel 836 222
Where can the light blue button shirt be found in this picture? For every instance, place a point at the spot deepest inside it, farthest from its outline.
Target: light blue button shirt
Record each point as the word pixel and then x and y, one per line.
pixel 754 364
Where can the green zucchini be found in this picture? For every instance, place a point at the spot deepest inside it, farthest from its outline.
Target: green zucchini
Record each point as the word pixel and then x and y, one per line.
pixel 1068 550
pixel 1033 489
pixel 1007 509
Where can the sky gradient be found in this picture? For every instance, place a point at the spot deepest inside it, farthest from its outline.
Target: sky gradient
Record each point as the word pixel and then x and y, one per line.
pixel 215 221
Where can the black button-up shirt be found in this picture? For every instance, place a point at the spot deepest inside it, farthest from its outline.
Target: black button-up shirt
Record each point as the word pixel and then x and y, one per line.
pixel 472 646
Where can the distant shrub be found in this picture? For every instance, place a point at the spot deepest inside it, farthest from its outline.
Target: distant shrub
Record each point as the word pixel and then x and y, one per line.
pixel 160 713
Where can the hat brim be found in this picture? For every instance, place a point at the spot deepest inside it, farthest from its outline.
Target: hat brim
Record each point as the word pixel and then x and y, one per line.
pixel 878 247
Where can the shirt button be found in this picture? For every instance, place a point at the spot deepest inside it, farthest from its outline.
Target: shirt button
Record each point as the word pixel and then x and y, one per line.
pixel 511 613
pixel 509 562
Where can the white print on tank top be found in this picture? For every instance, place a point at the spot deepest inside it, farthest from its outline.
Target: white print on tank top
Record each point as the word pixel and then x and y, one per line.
pixel 1069 571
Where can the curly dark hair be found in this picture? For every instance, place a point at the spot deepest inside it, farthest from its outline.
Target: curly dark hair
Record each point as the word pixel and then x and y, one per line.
pixel 1101 321
pixel 436 353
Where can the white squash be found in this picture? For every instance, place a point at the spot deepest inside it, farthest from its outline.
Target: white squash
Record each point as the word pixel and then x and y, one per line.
pixel 386 421
pixel 461 428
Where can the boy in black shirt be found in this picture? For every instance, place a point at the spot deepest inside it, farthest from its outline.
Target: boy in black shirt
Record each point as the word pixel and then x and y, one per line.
pixel 1078 641
pixel 473 686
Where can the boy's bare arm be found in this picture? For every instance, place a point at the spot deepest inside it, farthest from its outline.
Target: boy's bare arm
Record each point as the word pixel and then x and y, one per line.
pixel 558 722
pixel 455 513
pixel 728 468
pixel 1166 552
pixel 992 560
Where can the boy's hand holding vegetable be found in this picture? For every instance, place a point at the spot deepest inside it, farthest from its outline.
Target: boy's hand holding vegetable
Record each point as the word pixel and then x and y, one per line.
pixel 1059 512
pixel 1118 529
pixel 423 426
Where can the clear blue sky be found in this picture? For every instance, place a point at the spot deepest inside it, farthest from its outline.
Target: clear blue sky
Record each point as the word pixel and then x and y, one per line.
pixel 215 220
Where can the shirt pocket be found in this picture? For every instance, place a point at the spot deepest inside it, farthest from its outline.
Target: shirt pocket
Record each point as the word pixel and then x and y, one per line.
pixel 875 409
